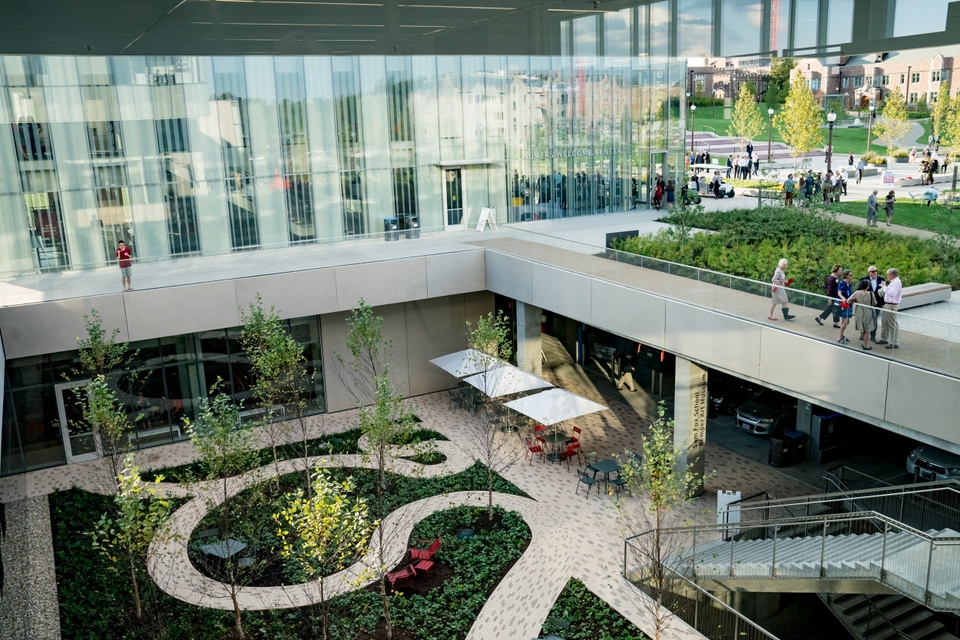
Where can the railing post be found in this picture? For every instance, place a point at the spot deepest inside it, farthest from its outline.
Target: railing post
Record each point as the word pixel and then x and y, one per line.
pixel 693 557
pixel 773 555
pixel 926 586
pixel 625 559
pixel 823 549
pixel 883 550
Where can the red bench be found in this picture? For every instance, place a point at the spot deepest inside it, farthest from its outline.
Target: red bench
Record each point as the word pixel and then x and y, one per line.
pixel 401 575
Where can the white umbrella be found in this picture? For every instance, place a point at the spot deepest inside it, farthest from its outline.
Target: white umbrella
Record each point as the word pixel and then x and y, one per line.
pixel 506 379
pixel 554 406
pixel 465 363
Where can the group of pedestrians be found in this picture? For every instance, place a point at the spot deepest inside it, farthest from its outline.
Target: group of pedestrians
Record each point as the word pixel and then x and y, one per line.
pixel 830 184
pixel 845 300
pixel 873 204
pixel 863 303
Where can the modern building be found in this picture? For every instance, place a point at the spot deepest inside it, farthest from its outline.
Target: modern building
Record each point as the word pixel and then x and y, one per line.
pixel 278 149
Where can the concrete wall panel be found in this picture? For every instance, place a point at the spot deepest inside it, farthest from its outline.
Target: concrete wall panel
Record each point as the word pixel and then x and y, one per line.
pixel 49 327
pixel 435 327
pixel 713 339
pixel 187 309
pixel 562 292
pixel 627 312
pixel 452 273
pixel 293 295
pixel 927 402
pixel 847 377
pixel 509 276
pixel 381 283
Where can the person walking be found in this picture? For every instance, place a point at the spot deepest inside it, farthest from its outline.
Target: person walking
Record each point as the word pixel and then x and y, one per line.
pixel 627 370
pixel 872 209
pixel 833 303
pixel 788 186
pixel 844 291
pixel 863 319
pixel 892 295
pixel 860 167
pixel 779 291
pixel 888 203
pixel 671 194
pixel 716 184
pixel 729 165
pixel 124 261
pixel 875 284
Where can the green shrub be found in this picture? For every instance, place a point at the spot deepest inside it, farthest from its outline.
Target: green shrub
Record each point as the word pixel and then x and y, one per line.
pixel 578 614
pixel 900 153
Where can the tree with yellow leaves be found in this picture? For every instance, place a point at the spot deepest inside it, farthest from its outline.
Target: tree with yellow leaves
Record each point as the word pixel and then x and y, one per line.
pixel 800 121
pixel 747 123
pixel 892 123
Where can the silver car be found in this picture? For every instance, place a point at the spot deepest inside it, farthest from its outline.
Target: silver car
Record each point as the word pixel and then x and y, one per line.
pixel 930 463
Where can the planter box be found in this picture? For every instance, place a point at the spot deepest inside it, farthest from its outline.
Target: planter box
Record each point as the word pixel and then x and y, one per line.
pixel 899 160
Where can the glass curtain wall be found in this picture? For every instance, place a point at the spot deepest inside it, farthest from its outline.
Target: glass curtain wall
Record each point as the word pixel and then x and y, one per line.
pixel 159 390
pixel 203 156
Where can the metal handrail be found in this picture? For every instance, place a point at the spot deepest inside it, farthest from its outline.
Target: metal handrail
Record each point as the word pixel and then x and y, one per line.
pixel 916 586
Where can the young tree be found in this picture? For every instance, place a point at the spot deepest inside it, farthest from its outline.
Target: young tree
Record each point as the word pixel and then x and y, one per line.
pixel 487 442
pixel 227 452
pixel 892 123
pixel 324 532
pixel 800 120
pixel 664 486
pixel 747 123
pixel 140 514
pixel 942 109
pixel 778 83
pixel 384 419
pixel 279 371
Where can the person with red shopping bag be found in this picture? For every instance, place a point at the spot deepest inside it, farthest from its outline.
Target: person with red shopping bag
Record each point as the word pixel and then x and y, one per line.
pixel 779 291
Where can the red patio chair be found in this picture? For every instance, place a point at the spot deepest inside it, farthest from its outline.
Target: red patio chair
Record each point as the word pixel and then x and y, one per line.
pixel 401 575
pixel 575 437
pixel 535 449
pixel 572 450
pixel 426 554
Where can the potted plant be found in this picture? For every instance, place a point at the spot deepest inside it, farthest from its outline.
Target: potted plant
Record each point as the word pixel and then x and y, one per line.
pixel 899 156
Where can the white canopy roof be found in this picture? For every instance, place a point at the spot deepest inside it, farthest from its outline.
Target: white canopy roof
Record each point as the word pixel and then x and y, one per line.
pixel 554 405
pixel 506 379
pixel 465 363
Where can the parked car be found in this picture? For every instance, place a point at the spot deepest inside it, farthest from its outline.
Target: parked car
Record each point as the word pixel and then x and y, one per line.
pixel 727 393
pixel 767 413
pixel 930 463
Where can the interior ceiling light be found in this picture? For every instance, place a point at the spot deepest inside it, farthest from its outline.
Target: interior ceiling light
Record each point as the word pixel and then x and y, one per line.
pixel 295 24
pixel 310 2
pixel 443 6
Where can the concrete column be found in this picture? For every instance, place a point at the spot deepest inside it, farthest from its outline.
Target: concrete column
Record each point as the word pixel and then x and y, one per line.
pixel 690 415
pixel 528 338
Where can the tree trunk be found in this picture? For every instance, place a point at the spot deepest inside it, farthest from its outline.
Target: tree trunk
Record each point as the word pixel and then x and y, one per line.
pixel 387 623
pixel 136 587
pixel 276 463
pixel 236 612
pixel 323 610
pixel 489 494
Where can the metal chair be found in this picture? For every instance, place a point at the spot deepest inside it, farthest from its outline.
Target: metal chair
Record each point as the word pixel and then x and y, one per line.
pixel 585 478
pixel 534 449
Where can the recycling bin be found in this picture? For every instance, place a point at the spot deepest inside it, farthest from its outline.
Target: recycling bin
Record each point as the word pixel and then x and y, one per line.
pixel 391 229
pixel 411 227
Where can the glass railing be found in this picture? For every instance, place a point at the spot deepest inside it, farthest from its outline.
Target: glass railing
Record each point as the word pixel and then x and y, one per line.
pixel 927 343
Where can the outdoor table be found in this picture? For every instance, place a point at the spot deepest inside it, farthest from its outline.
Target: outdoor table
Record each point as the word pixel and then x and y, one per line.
pixel 224 549
pixel 555 437
pixel 606 467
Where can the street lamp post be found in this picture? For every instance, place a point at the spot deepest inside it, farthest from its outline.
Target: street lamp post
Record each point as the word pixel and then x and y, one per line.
pixel 870 128
pixel 693 124
pixel 769 133
pixel 831 118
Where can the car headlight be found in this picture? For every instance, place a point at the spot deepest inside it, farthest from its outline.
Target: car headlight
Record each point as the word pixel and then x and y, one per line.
pixel 913 456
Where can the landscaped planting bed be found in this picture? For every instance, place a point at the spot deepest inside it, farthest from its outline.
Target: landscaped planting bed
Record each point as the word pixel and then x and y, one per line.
pixel 580 615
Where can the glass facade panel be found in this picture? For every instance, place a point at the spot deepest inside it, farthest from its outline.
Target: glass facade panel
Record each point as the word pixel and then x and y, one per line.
pixel 695 28
pixel 200 156
pixel 741 22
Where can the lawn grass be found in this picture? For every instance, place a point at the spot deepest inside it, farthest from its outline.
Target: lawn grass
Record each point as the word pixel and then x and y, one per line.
pixel 935 218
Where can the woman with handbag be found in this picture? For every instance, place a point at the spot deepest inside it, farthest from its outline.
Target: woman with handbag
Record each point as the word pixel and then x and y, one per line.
pixel 844 291
pixel 778 291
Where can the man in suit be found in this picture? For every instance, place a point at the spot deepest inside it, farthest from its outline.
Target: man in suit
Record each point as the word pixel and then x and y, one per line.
pixel 875 281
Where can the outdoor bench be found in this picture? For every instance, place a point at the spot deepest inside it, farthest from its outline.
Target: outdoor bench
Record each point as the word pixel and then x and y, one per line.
pixel 920 294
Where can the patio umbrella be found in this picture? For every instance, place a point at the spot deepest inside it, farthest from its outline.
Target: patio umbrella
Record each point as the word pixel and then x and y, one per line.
pixel 465 363
pixel 505 379
pixel 554 406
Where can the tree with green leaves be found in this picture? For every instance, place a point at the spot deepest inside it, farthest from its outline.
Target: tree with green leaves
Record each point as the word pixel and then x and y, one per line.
pixel 227 452
pixel 383 416
pixel 893 122
pixel 664 485
pixel 778 82
pixel 496 448
pixel 324 532
pixel 800 121
pixel 747 123
pixel 140 514
pixel 942 108
pixel 279 371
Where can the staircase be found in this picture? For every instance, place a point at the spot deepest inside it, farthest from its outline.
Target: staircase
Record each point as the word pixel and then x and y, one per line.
pixel 886 617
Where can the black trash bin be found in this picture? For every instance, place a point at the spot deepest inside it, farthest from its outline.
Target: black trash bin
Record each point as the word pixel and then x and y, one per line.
pixel 411 227
pixel 391 229
pixel 796 445
pixel 778 453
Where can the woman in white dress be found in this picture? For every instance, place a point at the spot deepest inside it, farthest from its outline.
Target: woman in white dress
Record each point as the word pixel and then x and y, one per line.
pixel 778 291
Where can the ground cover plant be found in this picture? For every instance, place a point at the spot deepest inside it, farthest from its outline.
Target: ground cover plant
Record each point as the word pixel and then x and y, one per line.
pixel 748 243
pixel 578 614
pixel 96 604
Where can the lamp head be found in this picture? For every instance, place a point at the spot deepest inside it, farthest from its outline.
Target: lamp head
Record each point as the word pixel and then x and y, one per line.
pixel 831 117
pixel 693 107
pixel 872 108
pixel 770 111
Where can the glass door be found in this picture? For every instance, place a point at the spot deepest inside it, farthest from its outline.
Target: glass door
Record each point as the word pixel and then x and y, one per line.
pixel 80 443
pixel 453 195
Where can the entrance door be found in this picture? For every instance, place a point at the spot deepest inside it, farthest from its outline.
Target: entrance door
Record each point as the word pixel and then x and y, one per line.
pixel 79 442
pixel 453 195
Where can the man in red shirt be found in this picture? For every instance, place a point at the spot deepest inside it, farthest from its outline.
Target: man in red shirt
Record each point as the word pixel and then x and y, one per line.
pixel 124 260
